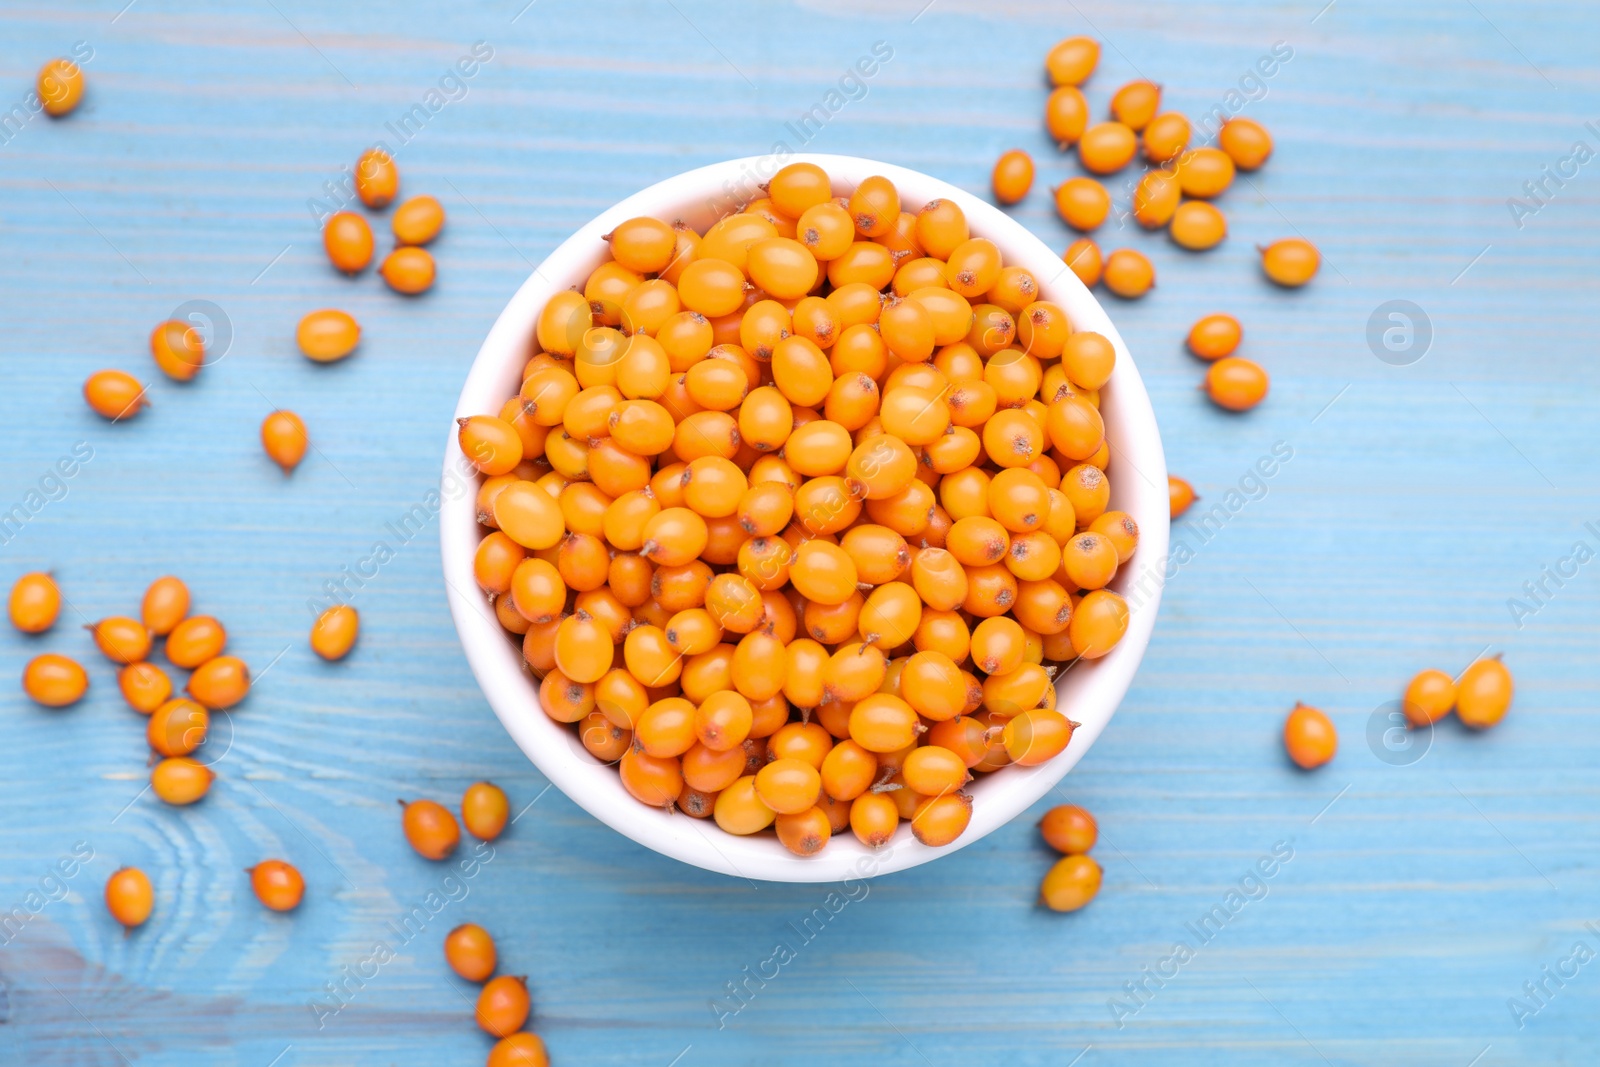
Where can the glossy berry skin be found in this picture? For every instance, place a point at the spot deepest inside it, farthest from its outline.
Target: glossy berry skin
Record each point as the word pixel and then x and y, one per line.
pixel 347 239
pixel 1069 829
pixel 327 335
pixel 165 604
pixel 1013 176
pixel 1215 336
pixel 54 680
pixel 334 633
pixel 1428 697
pixel 114 395
pixel 503 1005
pixel 408 270
pixel 181 780
pixel 519 1050
pixel 1070 884
pixel 377 178
pixel 35 603
pixel 1291 261
pixel 471 952
pixel 1309 737
pixel 130 897
pixel 277 884
pixel 1483 694
pixel 418 220
pixel 485 810
pixel 1181 495
pixel 284 439
pixel 1236 383
pixel 59 87
pixel 431 829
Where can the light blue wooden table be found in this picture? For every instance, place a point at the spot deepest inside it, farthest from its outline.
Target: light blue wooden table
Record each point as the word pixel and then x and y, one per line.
pixel 1422 893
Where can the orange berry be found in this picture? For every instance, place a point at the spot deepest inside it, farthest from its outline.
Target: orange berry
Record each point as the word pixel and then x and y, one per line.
pixel 59 86
pixel 144 686
pixel 114 394
pixel 485 810
pixel 1215 336
pixel 1071 61
pixel 503 1005
pixel 408 270
pixel 1069 829
pixel 347 239
pixel 1071 883
pixel 1236 383
pixel 219 683
pixel 334 633
pixel 180 780
pixel 129 896
pixel 277 884
pixel 1246 141
pixel 519 1050
pixel 1290 261
pixel 1309 737
pixel 284 439
pixel 327 335
pixel 1107 147
pixel 1128 274
pixel 178 349
pixel 430 828
pixel 1483 693
pixel 470 952
pixel 1181 494
pixel 418 220
pixel 1429 697
pixel 1013 176
pixel 377 178
pixel 35 603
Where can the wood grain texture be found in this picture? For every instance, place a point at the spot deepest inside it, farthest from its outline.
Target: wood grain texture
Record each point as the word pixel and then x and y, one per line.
pixel 1413 507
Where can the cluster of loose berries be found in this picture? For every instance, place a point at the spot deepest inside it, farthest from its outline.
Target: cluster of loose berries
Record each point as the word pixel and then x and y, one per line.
pixel 503 1004
pixel 326 335
pixel 1074 879
pixel 178 725
pixel 791 515
pixel 1480 697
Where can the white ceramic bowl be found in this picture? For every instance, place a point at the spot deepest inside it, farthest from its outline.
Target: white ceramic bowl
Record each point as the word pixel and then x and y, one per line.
pixel 1089 692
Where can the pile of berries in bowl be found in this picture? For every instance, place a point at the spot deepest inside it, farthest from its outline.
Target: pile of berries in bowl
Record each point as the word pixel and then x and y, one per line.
pixel 806 537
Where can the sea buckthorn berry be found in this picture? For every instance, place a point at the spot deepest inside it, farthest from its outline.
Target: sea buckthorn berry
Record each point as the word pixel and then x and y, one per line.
pixel 1309 737
pixel 651 780
pixel 874 817
pixel 1088 490
pixel 730 238
pixel 54 680
pixel 181 780
pixel 114 394
pixel 1066 115
pixel 1166 136
pixel 643 245
pixel 798 187
pixel 934 686
pixel 1290 261
pixel 1037 735
pixel 1128 274
pixel 805 833
pixel 939 579
pixel 334 633
pixel 485 810
pixel 1107 147
pixel 788 785
pixel 563 322
pixel 430 828
pixel 1215 336
pixel 1483 693
pixel 879 468
pixel 1136 103
pixel 503 1005
pixel 801 371
pixel 565 700
pixel 284 439
pixel 848 770
pixel 907 329
pixel 177 727
pixel 1090 561
pixel 1069 829
pixel 1180 495
pixel 723 721
pixel 783 267
pixel 977 540
pixel 418 220
pixel 934 771
pixel 490 444
pixel 1098 623
pixel 1088 359
pixel 875 206
pixel 530 516
pixel 823 572
pixel 130 897
pixel 939 820
pixel 853 672
pixel 883 723
pixel 144 686
pixel 998 646
pixel 1012 438
pixel 546 393
pixel 1083 257
pixel 470 952
pixel 1236 383
pixel 178 349
pixel 120 639
pixel 1204 172
pixel 710 771
pixel 739 810
pixel 59 87
pixel 1075 427
pixel 880 554
pixel 973 267
pixel 1197 226
pixel 584 649
pixel 941 228
pixel 408 270
pixel 1071 61
pixel 1156 199
pixel 347 239
pixel 1070 883
pixel 1082 203
pixel 35 603
pixel 993 328
pixel 519 1050
pixel 1013 176
pixel 606 289
pixel 277 884
pixel 1119 528
pixel 1429 697
pixel 1246 141
pixel 826 230
pixel 219 683
pixel 327 335
pixel 166 603
pixel 890 615
pixel 377 178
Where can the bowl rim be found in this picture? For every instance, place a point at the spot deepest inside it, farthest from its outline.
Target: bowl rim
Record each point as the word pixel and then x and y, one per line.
pixel 1095 690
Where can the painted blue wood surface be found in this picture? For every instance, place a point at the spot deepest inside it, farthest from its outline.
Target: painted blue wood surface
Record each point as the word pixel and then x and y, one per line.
pixel 1421 895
